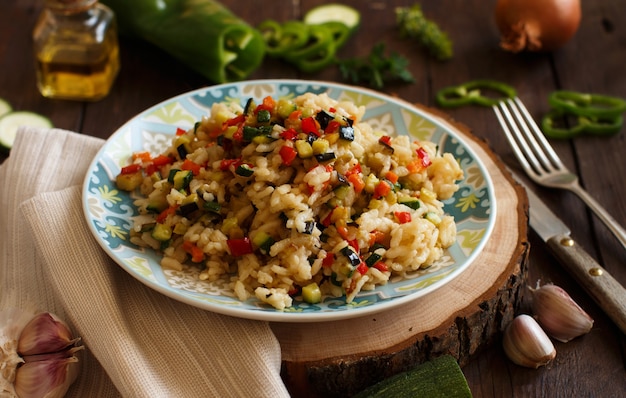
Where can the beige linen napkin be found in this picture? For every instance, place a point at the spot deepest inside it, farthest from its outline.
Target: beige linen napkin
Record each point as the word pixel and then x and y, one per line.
pixel 139 342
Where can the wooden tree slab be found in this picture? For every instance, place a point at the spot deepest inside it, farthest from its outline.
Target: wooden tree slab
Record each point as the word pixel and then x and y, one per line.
pixel 340 358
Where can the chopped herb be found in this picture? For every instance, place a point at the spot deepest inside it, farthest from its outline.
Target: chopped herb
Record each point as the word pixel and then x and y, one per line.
pixel 376 69
pixel 414 25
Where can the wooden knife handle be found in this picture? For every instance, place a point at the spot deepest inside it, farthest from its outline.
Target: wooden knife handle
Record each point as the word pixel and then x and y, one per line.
pixel 607 292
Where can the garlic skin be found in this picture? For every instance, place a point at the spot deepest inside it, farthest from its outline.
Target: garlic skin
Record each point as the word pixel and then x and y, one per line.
pixel 37 354
pixel 44 333
pixel 13 321
pixel 526 344
pixel 558 314
pixel 48 378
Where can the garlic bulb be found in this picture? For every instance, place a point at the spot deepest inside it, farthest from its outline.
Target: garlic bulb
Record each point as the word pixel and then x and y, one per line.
pixel 526 344
pixel 558 314
pixel 37 354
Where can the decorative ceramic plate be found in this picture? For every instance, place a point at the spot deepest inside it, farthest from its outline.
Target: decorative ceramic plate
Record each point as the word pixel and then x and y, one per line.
pixel 109 212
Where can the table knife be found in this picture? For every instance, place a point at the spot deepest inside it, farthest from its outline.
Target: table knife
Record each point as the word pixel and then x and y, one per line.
pixel 605 290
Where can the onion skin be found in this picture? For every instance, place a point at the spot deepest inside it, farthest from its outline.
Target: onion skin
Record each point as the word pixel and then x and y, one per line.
pixel 536 25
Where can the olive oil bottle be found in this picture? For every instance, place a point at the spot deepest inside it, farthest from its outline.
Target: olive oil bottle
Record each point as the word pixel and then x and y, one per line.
pixel 76 50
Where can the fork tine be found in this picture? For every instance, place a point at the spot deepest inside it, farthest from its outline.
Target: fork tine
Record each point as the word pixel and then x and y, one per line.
pixel 543 149
pixel 511 131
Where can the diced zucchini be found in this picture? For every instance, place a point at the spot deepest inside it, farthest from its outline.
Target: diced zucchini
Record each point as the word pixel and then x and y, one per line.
pixel 304 149
pixel 433 217
pixel 213 207
pixel 180 228
pixel 180 178
pixel 412 203
pixel 244 170
pixel 373 259
pixel 263 116
pixel 311 293
pixel 284 108
pixel 162 232
pixel 263 241
pixel 320 146
pixel 157 203
pixel 129 182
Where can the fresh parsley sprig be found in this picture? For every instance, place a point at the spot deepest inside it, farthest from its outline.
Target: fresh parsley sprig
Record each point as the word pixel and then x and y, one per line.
pixel 376 69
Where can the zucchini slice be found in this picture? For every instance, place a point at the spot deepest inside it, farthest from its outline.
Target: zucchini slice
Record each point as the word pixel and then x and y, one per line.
pixel 10 122
pixel 5 107
pixel 333 12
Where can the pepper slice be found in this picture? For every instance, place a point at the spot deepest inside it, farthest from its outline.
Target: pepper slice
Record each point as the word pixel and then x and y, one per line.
pixel 553 127
pixel 318 53
pixel 470 94
pixel 282 38
pixel 584 104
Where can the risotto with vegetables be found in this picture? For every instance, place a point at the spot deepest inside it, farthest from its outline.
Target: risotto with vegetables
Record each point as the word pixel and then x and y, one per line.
pixel 293 197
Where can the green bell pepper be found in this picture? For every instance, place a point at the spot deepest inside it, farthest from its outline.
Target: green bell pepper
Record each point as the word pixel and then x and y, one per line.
pixel 470 94
pixel 554 128
pixel 203 34
pixel 583 104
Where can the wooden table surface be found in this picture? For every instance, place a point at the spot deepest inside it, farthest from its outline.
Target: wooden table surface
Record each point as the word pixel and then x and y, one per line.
pixel 593 61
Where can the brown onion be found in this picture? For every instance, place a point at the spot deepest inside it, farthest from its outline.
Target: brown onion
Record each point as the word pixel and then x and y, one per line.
pixel 536 25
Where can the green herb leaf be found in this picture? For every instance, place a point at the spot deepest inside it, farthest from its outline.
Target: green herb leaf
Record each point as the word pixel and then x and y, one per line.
pixel 376 69
pixel 414 25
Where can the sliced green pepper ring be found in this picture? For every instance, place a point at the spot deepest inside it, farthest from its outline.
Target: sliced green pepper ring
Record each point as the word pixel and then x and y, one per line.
pixel 339 31
pixel 553 128
pixel 280 39
pixel 470 94
pixel 591 105
pixel 317 53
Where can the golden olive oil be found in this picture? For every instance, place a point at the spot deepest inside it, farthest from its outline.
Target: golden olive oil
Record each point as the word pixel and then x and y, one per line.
pixel 76 50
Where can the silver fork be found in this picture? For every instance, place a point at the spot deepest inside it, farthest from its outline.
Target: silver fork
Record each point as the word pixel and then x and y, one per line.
pixel 540 161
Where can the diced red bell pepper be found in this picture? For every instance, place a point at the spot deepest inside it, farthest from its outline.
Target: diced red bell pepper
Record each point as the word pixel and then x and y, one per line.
pixel 190 165
pixel 332 127
pixel 226 163
pixel 162 160
pixel 403 217
pixel 287 154
pixel 327 220
pixel 382 267
pixel 289 134
pixel 376 236
pixel 356 169
pixel 239 247
pixel 354 243
pixel 328 260
pixel 382 189
pixel 310 126
pixel 268 104
pixel 357 183
pixel 197 255
pixel 158 162
pixel 143 156
pixel 392 177
pixel 385 140
pixel 362 268
pixel 163 215
pixel 234 121
pixel 130 169
pixel 180 131
pixel 423 155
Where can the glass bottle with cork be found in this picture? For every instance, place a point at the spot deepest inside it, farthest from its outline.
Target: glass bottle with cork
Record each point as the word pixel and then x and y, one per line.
pixel 76 50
